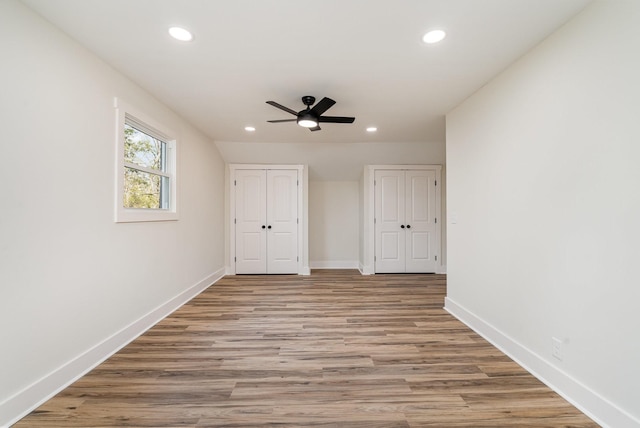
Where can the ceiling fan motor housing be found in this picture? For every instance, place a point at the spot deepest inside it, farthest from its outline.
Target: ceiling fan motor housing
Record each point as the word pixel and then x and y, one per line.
pixel 308 100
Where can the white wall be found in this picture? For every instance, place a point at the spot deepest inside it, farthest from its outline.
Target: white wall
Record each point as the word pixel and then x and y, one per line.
pixel 71 278
pixel 333 161
pixel 544 202
pixel 334 224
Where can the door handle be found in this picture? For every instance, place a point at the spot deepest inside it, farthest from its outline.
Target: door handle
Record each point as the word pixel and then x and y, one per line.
pixel 264 227
pixel 402 226
pixel 408 226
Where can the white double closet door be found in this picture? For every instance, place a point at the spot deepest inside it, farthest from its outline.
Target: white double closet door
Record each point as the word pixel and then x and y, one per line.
pixel 266 221
pixel 405 221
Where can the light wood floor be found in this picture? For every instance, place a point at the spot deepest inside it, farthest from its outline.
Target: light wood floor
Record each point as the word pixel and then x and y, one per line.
pixel 334 349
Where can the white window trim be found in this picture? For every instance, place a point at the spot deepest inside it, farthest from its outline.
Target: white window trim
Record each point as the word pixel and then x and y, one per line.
pixel 125 215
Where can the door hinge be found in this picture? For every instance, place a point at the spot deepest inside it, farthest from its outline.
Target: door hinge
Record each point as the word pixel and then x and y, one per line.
pixel 374 221
pixel 297 258
pixel 436 183
pixel 235 259
pixel 235 182
pixel 436 258
pixel 297 182
pixel 235 221
pixel 374 182
pixel 375 258
pixel 436 220
pixel 297 221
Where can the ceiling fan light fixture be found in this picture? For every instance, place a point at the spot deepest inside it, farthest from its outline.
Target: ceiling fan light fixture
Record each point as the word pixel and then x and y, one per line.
pixel 307 121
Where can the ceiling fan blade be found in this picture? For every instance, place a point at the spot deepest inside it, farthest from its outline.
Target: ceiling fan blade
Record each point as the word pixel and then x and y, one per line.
pixel 282 120
pixel 315 128
pixel 281 107
pixel 324 105
pixel 336 119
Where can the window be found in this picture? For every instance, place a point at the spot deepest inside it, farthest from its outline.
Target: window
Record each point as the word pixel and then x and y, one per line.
pixel 146 173
pixel 146 179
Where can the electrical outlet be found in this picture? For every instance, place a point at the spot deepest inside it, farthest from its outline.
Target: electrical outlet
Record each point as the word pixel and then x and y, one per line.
pixel 556 348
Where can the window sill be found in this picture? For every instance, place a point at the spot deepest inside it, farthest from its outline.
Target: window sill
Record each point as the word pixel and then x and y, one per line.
pixel 125 215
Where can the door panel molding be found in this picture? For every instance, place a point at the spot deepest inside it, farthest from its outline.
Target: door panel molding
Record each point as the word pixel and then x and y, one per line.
pixel 282 227
pixel 249 217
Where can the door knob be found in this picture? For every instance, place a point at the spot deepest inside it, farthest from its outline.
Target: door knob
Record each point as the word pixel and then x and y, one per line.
pixel 269 227
pixel 264 227
pixel 408 226
pixel 402 226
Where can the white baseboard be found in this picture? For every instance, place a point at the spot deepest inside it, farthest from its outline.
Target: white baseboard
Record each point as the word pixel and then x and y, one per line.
pixel 368 270
pixel 601 410
pixel 25 401
pixel 333 264
pixel 303 271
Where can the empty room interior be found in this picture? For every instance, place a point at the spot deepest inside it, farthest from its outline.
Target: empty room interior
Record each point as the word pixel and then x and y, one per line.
pixel 451 241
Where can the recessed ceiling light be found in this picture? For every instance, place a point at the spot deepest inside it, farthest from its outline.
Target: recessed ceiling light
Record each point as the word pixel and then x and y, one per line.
pixel 372 129
pixel 181 34
pixel 249 128
pixel 434 36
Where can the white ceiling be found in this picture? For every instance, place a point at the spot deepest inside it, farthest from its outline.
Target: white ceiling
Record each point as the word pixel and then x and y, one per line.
pixel 365 54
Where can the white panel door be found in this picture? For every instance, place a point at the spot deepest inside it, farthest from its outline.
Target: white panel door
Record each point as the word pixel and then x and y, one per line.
pixel 405 221
pixel 251 220
pixel 390 246
pixel 282 221
pixel 420 218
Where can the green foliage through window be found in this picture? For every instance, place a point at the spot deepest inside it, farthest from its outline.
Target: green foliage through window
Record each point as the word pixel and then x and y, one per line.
pixel 143 156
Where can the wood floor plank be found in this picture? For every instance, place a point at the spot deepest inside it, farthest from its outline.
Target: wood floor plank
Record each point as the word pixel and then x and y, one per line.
pixel 334 349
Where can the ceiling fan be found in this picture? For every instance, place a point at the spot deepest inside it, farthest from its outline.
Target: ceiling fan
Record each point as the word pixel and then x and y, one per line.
pixel 312 117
